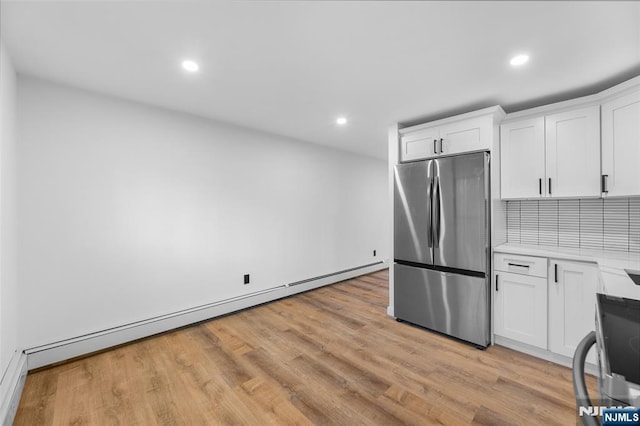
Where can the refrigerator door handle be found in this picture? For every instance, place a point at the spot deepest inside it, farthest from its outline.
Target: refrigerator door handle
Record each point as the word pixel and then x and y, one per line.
pixel 436 214
pixel 429 215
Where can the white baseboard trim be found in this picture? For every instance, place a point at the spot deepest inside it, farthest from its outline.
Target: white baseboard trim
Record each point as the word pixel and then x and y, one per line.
pixel 544 354
pixel 390 311
pixel 82 345
pixel 11 385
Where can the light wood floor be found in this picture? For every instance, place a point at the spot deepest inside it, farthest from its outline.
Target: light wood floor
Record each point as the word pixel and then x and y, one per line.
pixel 329 356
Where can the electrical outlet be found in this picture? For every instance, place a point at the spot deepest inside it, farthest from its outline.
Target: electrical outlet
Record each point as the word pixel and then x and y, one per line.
pixel 374 253
pixel 246 278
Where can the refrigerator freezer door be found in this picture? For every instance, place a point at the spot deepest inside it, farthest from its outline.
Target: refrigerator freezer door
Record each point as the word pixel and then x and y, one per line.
pixel 460 216
pixel 453 304
pixel 412 212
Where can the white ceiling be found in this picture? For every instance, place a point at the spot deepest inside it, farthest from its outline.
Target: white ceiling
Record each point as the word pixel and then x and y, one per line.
pixel 291 68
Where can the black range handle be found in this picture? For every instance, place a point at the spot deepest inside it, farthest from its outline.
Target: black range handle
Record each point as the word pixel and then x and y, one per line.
pixel 555 272
pixel 604 183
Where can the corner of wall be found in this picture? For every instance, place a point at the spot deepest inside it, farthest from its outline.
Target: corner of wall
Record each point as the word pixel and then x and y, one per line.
pixel 11 386
pixel 13 364
pixel 393 160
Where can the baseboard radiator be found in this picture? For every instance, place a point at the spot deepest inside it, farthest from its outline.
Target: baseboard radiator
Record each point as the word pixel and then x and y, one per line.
pixel 82 345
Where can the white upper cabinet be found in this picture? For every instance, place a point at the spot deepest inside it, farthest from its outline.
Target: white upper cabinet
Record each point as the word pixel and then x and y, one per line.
pixel 621 145
pixel 552 156
pixel 464 133
pixel 522 158
pixel 420 144
pixel 590 147
pixel 465 136
pixel 572 146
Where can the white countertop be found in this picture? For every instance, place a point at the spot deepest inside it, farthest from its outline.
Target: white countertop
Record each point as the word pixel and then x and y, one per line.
pixel 612 265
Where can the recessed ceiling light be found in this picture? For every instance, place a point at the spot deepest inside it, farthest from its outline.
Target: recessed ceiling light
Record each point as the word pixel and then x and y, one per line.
pixel 190 66
pixel 341 121
pixel 518 60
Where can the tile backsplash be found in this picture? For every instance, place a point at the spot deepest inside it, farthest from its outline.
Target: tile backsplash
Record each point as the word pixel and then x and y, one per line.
pixel 602 224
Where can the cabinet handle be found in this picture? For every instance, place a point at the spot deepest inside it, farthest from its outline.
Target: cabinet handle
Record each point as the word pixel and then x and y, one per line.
pixel 435 145
pixel 605 178
pixel 517 264
pixel 555 272
pixel 441 145
pixel 496 282
pixel 549 186
pixel 540 186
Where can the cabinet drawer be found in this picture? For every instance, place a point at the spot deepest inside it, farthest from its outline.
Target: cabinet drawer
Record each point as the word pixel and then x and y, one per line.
pixel 524 265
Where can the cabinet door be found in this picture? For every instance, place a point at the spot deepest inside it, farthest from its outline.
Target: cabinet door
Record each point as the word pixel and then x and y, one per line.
pixel 465 136
pixel 522 159
pixel 421 144
pixel 521 308
pixel 573 153
pixel 572 301
pixel 621 145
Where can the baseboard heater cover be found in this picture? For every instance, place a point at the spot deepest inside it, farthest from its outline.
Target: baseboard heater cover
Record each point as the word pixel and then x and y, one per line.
pixel 344 271
pixel 40 356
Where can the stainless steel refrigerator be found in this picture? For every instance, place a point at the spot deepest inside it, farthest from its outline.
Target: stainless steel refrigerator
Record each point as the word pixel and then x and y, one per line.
pixel 441 245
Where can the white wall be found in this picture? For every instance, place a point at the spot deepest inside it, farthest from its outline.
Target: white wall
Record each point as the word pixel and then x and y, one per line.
pixel 9 352
pixel 8 281
pixel 128 211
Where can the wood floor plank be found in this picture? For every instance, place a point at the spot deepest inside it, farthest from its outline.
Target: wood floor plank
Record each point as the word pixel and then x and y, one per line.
pixel 39 398
pixel 314 400
pixel 328 356
pixel 273 405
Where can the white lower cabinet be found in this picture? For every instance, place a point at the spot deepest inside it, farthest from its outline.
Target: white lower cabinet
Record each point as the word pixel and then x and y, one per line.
pixel 548 307
pixel 572 300
pixel 521 308
pixel 520 298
